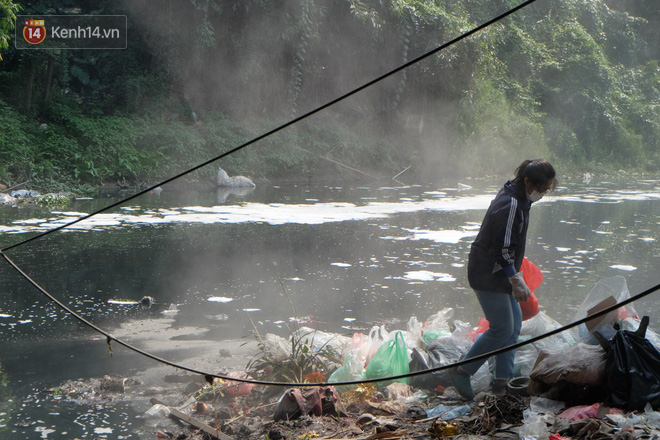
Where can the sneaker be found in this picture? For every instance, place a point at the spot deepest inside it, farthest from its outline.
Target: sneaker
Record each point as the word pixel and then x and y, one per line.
pixel 462 384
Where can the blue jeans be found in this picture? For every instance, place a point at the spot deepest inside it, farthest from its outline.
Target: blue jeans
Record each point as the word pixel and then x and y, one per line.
pixel 505 319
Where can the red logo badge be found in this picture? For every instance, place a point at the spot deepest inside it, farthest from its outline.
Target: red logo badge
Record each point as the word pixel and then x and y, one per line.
pixel 34 31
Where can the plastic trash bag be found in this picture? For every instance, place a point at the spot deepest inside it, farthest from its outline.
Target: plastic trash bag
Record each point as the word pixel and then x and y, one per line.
pixel 633 370
pixel 430 337
pixel 533 278
pixel 545 405
pixel 377 337
pixel 158 411
pixel 391 359
pixel 439 321
pixel 358 347
pixel 278 347
pixel 432 357
pixel 414 334
pixel 616 287
pixel 482 326
pixel 575 375
pixel 446 412
pixel 319 340
pixel 235 388
pixel 632 323
pixel 353 369
pixel 651 418
pixel 534 426
pixel 532 274
pixel 529 308
pixel 541 324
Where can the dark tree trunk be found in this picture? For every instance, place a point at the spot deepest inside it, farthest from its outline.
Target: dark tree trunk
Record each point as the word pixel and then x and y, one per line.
pixel 28 91
pixel 49 79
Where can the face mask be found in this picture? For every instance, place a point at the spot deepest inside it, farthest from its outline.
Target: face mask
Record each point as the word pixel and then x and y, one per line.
pixel 535 196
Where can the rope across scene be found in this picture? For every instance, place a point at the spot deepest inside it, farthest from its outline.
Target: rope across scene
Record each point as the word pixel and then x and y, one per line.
pixel 111 338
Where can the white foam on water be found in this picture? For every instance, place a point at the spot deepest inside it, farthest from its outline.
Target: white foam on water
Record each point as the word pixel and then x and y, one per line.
pixel 443 236
pixel 273 213
pixel 625 267
pixel 341 264
pixel 220 299
pixel 122 301
pixel 425 275
pixel 310 213
pixel 45 432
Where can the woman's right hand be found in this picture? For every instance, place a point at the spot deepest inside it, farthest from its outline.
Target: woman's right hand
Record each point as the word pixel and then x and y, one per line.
pixel 520 290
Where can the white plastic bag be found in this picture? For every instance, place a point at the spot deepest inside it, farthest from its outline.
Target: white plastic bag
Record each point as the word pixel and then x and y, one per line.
pixel 318 339
pixel 533 427
pixel 611 286
pixel 377 337
pixel 414 333
pixel 278 347
pixel 158 411
pixel 440 320
pixel 652 418
pixel 357 347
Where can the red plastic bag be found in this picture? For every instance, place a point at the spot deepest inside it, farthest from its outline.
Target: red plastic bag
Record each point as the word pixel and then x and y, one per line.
pixel 533 278
pixel 235 388
pixel 586 412
pixel 532 274
pixel 529 308
pixel 483 326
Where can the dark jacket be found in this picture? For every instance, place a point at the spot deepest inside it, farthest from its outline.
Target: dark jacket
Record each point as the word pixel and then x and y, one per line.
pixel 501 241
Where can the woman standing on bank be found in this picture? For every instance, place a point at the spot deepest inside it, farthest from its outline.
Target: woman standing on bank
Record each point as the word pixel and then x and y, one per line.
pixel 494 270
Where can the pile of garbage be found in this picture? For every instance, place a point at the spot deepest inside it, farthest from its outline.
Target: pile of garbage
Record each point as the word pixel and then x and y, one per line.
pixel 569 385
pixel 25 196
pixel 575 384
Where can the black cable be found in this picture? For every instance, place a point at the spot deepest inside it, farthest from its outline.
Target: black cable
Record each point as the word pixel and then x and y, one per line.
pixel 110 338
pixel 283 126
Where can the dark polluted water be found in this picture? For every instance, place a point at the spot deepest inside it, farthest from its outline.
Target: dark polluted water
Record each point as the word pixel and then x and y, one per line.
pixel 220 265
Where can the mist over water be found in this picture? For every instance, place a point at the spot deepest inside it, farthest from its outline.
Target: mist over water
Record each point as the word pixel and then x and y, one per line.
pixel 337 258
pixel 354 252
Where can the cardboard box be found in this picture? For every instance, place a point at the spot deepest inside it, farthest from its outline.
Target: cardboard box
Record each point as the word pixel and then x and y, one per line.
pixel 607 318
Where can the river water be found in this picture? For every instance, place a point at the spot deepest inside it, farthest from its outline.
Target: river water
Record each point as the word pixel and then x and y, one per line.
pixel 221 263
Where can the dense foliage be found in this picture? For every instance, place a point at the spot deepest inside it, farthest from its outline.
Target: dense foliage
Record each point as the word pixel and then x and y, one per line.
pixel 574 81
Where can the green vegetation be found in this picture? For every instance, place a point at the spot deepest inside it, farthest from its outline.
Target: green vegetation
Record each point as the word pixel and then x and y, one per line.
pixel 575 82
pixel 307 361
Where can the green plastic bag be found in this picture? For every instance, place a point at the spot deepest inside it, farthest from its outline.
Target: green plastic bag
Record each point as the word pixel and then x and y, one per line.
pixel 352 370
pixel 391 359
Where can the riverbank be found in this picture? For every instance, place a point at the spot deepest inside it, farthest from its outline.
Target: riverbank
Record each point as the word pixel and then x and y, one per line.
pixel 184 406
pixel 53 194
pixel 180 404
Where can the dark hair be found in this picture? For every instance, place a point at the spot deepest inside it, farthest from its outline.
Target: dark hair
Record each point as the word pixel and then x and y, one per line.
pixel 538 171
